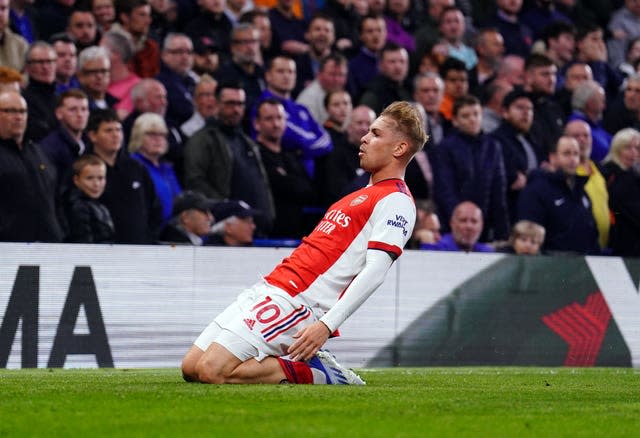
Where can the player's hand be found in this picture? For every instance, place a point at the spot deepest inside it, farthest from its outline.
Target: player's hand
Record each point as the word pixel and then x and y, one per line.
pixel 308 341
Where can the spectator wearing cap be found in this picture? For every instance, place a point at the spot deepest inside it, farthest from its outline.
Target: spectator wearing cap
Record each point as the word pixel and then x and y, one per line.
pixel 234 224
pixel 206 59
pixel 520 152
pixel 191 220
pixel 244 63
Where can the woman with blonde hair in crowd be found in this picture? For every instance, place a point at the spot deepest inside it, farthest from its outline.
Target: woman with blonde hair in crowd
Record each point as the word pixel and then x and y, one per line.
pixel 148 144
pixel 621 170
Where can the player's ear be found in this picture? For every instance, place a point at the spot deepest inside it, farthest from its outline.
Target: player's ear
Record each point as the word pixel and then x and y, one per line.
pixel 401 148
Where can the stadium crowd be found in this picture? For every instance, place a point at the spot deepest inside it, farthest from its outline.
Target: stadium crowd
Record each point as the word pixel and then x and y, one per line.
pixel 255 109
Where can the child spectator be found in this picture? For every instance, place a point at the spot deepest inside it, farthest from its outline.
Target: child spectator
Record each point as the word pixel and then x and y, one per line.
pixel 89 220
pixel 526 239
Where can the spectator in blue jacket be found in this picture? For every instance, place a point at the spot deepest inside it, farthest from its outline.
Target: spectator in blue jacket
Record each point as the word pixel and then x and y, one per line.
pixel 303 133
pixel 556 199
pixel 466 225
pixel 469 167
pixel 147 145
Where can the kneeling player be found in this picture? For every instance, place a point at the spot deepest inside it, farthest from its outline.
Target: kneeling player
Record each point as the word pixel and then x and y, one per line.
pixel 293 310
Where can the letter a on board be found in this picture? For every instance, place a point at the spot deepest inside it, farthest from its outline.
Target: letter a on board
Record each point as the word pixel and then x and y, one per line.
pixel 82 291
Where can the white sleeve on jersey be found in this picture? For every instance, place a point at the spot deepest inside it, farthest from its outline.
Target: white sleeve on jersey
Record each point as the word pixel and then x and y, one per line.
pixel 366 282
pixel 393 219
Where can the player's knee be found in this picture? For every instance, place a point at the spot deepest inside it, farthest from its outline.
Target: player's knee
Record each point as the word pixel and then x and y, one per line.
pixel 207 372
pixel 189 373
pixel 188 366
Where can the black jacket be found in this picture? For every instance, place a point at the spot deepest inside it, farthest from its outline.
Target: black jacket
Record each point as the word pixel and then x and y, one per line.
pixel 27 194
pixel 564 212
pixel 89 221
pixel 41 104
pixel 132 201
pixel 624 203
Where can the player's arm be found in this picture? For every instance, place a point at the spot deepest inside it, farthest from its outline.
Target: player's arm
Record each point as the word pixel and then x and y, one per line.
pixel 311 338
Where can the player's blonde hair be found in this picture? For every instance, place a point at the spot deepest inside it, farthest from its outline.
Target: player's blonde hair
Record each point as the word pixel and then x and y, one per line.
pixel 410 123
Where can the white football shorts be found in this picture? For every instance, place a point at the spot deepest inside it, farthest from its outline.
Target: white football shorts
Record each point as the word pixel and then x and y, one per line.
pixel 260 323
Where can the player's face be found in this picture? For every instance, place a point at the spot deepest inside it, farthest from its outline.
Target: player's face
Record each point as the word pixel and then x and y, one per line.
pixel 92 180
pixel 376 147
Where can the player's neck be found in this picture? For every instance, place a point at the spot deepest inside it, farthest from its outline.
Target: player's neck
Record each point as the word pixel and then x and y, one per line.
pixel 381 175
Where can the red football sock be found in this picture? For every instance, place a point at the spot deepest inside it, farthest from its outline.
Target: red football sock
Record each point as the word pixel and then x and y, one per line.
pixel 296 372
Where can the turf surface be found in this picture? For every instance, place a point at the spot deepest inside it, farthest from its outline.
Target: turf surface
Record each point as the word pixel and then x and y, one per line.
pixel 509 402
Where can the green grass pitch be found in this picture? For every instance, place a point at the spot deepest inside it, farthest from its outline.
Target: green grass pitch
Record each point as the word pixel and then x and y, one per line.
pixel 401 402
